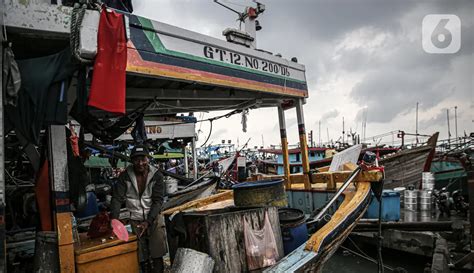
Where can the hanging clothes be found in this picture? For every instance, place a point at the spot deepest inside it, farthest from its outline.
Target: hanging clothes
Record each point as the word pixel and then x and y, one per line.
pixel 139 132
pixel 39 93
pixel 56 104
pixel 123 5
pixel 108 80
pixel 11 77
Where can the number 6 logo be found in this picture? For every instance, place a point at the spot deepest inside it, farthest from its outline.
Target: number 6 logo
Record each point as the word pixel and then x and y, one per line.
pixel 441 33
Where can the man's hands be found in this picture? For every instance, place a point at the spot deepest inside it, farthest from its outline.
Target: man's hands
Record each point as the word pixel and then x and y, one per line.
pixel 142 227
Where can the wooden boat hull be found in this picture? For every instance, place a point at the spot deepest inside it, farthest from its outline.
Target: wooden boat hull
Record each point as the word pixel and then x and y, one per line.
pixel 203 189
pixel 311 256
pixel 406 167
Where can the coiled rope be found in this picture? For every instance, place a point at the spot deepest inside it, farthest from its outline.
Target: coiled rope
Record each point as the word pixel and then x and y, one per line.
pixel 77 16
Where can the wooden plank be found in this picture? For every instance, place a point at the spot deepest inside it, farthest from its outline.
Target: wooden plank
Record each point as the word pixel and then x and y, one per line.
pixel 89 245
pixel 341 176
pixel 102 253
pixel 349 166
pixel 65 242
pixel 323 169
pixel 201 202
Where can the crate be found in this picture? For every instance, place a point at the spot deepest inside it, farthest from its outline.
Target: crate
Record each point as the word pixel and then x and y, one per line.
pixel 114 255
pixel 390 206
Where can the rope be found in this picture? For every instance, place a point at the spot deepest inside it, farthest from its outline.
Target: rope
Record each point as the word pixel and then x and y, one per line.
pixel 244 120
pixel 77 16
pixel 210 132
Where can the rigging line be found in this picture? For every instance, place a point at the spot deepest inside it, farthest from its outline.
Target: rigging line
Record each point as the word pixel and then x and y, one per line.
pixel 368 258
pixel 355 245
pixel 210 132
pixel 157 104
pixel 233 3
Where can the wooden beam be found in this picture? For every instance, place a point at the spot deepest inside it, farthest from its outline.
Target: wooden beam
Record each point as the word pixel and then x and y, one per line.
pixel 284 146
pixel 2 159
pixel 201 202
pixel 60 188
pixel 331 178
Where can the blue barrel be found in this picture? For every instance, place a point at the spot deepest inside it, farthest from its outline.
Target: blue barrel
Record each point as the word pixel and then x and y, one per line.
pixel 92 207
pixel 293 228
pixel 260 193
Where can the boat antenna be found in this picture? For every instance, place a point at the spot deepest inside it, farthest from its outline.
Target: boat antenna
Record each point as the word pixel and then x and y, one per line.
pixel 320 133
pixel 240 14
pixel 327 131
pixel 456 122
pixel 416 123
pixel 343 132
pixel 449 130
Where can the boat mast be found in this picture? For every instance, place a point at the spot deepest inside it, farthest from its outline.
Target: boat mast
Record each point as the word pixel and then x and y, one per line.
pixel 456 122
pixel 449 130
pixel 343 132
pixel 416 130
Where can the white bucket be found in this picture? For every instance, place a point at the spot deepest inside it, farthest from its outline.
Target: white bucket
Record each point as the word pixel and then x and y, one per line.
pixel 171 185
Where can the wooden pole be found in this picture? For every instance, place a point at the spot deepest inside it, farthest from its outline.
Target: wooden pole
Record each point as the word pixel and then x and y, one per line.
pixel 449 130
pixel 2 159
pixel 186 165
pixel 456 122
pixel 60 189
pixel 416 130
pixel 195 165
pixel 303 143
pixel 470 185
pixel 284 146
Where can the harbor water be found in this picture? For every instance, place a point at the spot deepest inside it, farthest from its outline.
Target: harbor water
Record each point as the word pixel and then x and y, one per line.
pixel 345 262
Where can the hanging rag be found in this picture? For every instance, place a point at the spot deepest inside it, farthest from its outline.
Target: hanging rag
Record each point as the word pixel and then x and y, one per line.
pixel 11 77
pixel 123 5
pixel 78 177
pixel 40 93
pixel 108 81
pixel 139 132
pixel 106 129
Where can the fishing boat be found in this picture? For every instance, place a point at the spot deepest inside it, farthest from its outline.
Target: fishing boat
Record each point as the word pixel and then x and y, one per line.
pixel 405 167
pixel 348 201
pixel 203 187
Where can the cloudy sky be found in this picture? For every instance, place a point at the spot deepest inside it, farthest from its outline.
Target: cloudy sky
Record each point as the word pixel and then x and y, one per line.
pixel 363 58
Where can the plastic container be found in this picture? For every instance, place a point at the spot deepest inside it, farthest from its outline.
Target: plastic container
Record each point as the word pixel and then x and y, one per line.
pixel 190 260
pixel 293 228
pixel 390 206
pixel 260 193
pixel 171 185
pixel 92 207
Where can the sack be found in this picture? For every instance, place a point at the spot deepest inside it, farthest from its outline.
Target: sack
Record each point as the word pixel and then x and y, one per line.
pixel 260 245
pixel 100 225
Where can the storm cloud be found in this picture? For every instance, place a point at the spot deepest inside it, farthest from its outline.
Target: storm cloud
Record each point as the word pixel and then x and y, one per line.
pixel 361 53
